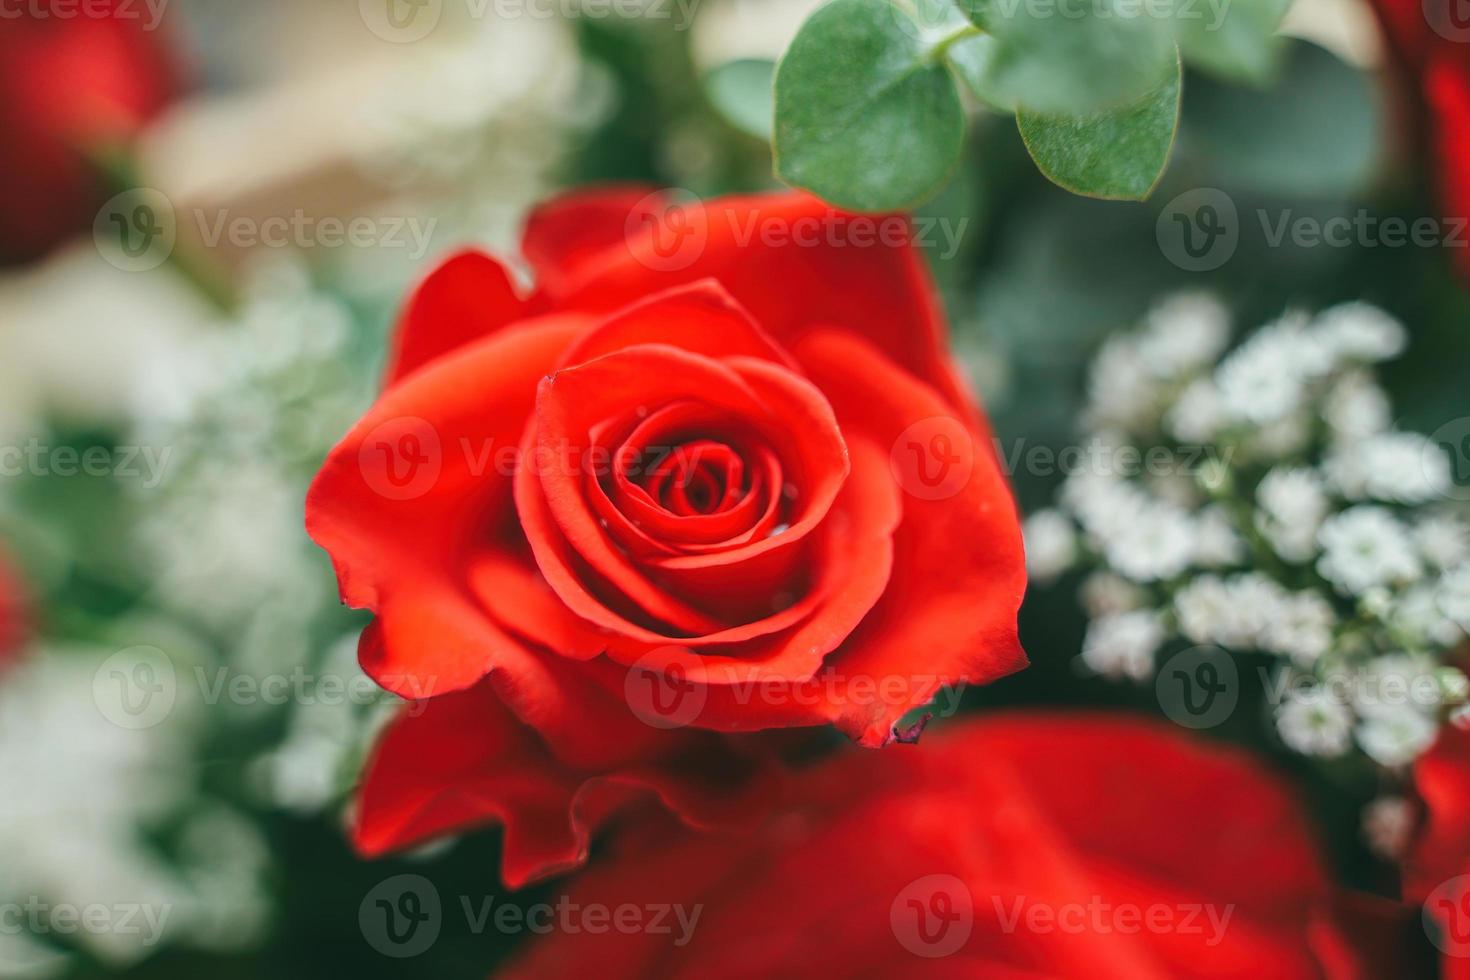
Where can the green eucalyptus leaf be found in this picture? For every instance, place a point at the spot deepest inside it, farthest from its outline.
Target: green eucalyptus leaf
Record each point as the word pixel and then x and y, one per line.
pixel 1231 38
pixel 740 91
pixel 1070 57
pixel 970 59
pixel 866 117
pixel 1113 153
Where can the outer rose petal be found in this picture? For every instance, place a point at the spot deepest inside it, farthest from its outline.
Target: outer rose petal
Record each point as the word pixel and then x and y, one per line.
pixel 949 612
pixel 1441 849
pixel 790 259
pixel 402 548
pixel 463 760
pixel 569 231
pixel 1009 808
pixel 466 298
pixel 12 613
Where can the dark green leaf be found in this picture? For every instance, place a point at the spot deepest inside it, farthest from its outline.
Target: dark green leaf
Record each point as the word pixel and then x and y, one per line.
pixel 1114 153
pixel 741 92
pixel 1066 57
pixel 866 118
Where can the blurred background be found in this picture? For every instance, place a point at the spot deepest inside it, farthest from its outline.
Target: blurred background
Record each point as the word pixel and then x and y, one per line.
pixel 210 218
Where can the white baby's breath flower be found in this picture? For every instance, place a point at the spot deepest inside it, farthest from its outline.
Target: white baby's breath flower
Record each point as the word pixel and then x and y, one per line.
pixel 1397 680
pixel 1356 407
pixel 1299 625
pixel 1216 545
pixel 1416 615
pixel 1185 331
pixel 1360 332
pixel 1123 645
pixel 1363 547
pixel 1399 467
pixel 1396 735
pixel 1122 391
pixel 1102 503
pixel 1231 613
pixel 1265 378
pixel 1443 540
pixel 1051 544
pixel 1292 507
pixel 1454 596
pixel 1197 415
pixel 1156 544
pixel 1315 725
pixel 1106 593
pixel 1286 437
pixel 1388 826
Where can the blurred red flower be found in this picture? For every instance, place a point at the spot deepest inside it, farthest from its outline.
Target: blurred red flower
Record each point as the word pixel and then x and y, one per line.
pixel 1437 866
pixel 76 80
pixel 1021 846
pixel 715 475
pixel 1431 39
pixel 13 616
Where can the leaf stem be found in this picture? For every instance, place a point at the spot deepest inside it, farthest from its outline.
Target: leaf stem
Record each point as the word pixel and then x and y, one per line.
pixel 942 46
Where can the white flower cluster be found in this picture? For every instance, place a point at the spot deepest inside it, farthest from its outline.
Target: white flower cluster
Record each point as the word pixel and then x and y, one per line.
pixel 1258 499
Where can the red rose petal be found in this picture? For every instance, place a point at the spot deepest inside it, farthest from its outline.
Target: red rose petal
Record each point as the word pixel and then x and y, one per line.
pixel 781 256
pixel 466 298
pixel 949 613
pixel 403 502
pixel 463 760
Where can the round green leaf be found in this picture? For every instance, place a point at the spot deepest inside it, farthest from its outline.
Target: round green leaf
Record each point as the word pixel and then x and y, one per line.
pixel 740 91
pixel 1115 153
pixel 865 118
pixel 1060 56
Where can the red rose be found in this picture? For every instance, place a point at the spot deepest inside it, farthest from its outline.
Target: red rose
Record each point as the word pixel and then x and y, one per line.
pixel 13 626
pixel 75 81
pixel 1051 846
pixel 1431 38
pixel 715 475
pixel 1436 870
